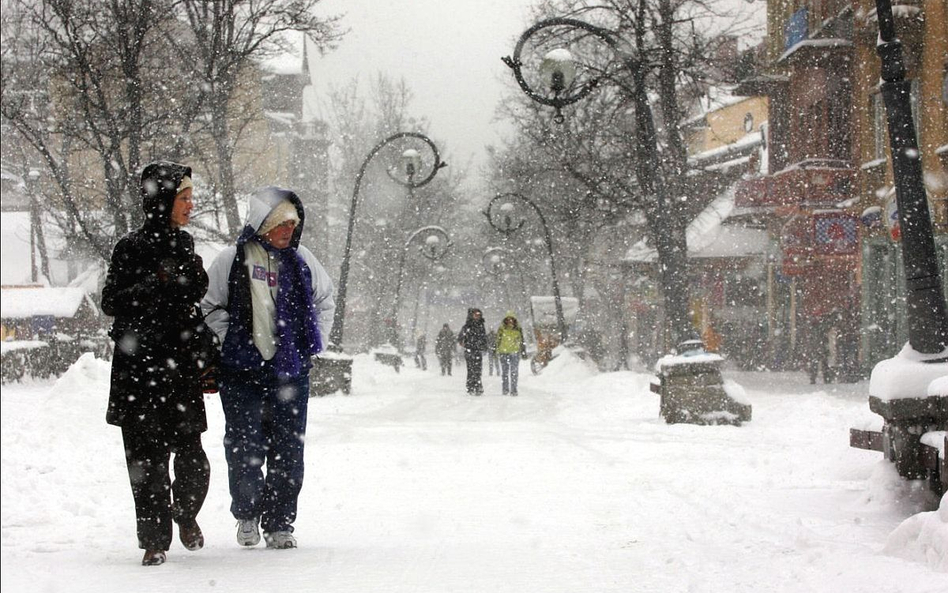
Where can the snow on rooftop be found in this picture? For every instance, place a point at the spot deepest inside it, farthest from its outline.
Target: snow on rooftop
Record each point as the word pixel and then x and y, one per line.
pixel 908 375
pixel 832 42
pixel 544 309
pixel 283 64
pixel 715 98
pixel 22 303
pixel 708 237
pixel 740 147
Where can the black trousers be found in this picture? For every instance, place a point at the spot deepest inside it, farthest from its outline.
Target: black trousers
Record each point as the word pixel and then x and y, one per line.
pixel 158 500
pixel 475 365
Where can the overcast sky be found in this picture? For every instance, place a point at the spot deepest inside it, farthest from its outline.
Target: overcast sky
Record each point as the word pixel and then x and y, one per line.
pixel 448 52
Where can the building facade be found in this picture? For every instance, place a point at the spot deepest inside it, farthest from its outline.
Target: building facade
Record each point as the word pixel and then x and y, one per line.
pixel 827 191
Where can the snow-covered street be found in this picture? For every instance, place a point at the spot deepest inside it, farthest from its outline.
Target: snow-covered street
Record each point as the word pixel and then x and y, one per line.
pixel 576 485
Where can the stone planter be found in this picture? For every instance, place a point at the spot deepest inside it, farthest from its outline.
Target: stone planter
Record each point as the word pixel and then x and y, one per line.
pixel 694 392
pixel 329 375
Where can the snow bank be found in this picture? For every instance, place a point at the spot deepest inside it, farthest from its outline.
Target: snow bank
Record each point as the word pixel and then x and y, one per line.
pixel 567 365
pixel 85 377
pixel 923 538
pixel 907 375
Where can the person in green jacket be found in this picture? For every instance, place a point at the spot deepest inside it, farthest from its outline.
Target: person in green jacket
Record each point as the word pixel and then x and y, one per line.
pixel 509 347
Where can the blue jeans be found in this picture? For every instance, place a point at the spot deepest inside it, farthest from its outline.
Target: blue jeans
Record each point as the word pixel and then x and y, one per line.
pixel 509 370
pixel 266 424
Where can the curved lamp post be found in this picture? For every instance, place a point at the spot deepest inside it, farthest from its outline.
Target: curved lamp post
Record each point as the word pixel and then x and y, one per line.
pixel 412 166
pixel 494 260
pixel 435 244
pixel 558 74
pixel 500 214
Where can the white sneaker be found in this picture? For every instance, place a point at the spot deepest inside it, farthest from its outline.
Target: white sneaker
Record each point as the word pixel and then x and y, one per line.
pixel 248 532
pixel 280 540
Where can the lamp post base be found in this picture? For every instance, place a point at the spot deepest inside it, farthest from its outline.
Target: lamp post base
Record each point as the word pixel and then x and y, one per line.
pixel 904 391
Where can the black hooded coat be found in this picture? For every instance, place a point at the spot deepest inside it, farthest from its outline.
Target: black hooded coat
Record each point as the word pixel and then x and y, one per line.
pixel 162 346
pixel 472 336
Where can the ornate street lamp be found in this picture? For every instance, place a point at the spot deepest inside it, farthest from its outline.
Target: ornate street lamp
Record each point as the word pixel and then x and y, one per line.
pixel 501 213
pixel 415 176
pixel 927 319
pixel 496 261
pixel 562 84
pixel 434 245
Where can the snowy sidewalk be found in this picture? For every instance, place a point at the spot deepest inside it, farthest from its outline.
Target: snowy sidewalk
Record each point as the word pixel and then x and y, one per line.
pixel 576 485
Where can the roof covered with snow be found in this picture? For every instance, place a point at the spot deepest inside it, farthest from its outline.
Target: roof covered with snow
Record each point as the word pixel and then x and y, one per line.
pixel 708 236
pixel 25 302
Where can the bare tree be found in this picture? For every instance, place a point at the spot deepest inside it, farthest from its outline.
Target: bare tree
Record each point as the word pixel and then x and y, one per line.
pixel 660 52
pixel 227 37
pixel 105 77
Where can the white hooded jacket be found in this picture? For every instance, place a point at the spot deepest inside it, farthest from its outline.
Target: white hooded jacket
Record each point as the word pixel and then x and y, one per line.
pixel 215 302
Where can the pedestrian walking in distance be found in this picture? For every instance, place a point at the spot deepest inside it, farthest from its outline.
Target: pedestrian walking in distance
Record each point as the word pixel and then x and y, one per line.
pixel 421 348
pixel 270 302
pixel 493 363
pixel 444 349
pixel 473 339
pixel 510 347
pixel 162 348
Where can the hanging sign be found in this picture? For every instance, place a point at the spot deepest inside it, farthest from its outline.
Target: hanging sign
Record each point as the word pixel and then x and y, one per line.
pixel 892 217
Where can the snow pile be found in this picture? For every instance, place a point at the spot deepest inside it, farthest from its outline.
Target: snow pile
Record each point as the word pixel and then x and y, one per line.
pixel 923 538
pixel 907 375
pixel 566 365
pixel 939 386
pixel 84 378
pixel 736 392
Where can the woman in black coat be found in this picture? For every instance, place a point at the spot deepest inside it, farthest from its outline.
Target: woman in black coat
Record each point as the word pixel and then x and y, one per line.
pixel 473 339
pixel 162 349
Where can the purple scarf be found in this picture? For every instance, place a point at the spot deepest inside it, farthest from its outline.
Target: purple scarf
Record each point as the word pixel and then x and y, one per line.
pixel 297 329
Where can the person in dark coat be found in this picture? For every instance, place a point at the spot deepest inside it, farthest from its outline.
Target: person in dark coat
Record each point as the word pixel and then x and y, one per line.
pixel 162 348
pixel 473 339
pixel 444 348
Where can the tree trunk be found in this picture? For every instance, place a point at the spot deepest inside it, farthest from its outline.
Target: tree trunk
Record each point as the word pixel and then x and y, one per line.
pixel 225 163
pixel 665 227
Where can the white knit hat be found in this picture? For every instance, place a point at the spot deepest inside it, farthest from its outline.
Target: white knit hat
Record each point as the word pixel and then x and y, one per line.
pixel 185 184
pixel 283 212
